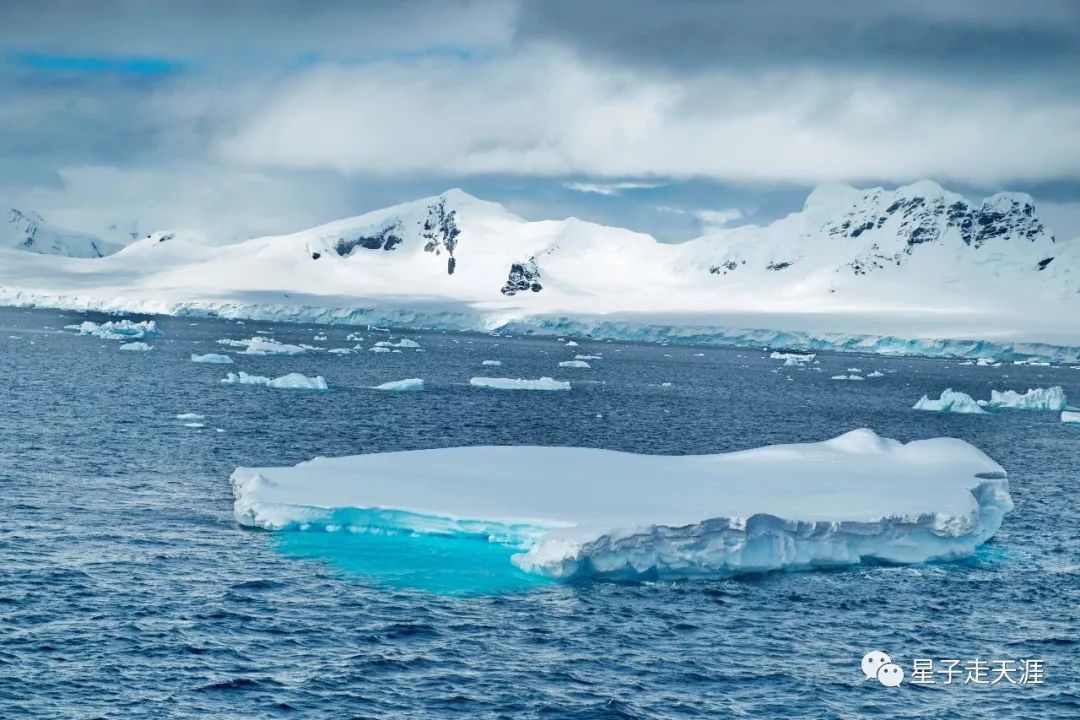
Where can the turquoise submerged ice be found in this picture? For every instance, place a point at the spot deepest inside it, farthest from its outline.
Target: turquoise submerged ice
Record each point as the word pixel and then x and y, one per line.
pixel 574 512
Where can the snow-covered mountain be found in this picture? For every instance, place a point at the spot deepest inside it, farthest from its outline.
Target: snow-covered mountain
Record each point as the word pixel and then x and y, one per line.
pixel 915 260
pixel 29 231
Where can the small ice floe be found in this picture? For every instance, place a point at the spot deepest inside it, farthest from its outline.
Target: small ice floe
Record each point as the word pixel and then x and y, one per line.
pixel 544 383
pixel 492 363
pixel 402 385
pixel 379 348
pixel 876 374
pixel 1034 399
pixel 213 358
pixel 574 364
pixel 847 377
pixel 339 351
pixel 854 370
pixel 136 346
pixel 259 345
pixel 354 337
pixel 571 343
pixel 665 384
pixel 699 354
pixel 950 401
pixel 190 416
pixel 292 381
pixel 194 425
pixel 319 338
pixel 402 343
pixel 118 329
pixel 792 359
pixel 1070 416
pixel 588 357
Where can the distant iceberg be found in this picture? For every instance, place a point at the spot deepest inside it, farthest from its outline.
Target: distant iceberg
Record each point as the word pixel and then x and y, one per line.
pixel 190 416
pixel 580 512
pixel 846 377
pixel 594 357
pixel 136 346
pixel 380 349
pixel 950 401
pixel 292 381
pixel 402 343
pixel 402 385
pixel 574 364
pixel 118 329
pixel 212 358
pixel 493 363
pixel 544 383
pixel 1070 416
pixel 259 345
pixel 1034 399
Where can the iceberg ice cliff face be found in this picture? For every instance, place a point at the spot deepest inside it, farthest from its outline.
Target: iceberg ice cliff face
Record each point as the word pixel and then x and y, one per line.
pixel 579 512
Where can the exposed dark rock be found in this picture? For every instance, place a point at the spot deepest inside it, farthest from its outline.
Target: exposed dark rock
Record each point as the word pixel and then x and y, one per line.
pixel 523 276
pixel 386 239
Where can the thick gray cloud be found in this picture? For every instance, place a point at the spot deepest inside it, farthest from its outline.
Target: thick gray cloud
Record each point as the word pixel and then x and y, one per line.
pixel 972 37
pixel 222 106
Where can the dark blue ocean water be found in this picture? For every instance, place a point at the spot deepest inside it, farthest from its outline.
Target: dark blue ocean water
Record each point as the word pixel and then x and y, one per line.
pixel 128 591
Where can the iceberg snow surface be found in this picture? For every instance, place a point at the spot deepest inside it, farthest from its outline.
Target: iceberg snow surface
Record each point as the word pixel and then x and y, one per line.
pixel 579 512
pixel 950 401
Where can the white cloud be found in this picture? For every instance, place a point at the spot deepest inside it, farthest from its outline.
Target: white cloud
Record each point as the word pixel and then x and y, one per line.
pixel 543 112
pixel 614 188
pixel 711 220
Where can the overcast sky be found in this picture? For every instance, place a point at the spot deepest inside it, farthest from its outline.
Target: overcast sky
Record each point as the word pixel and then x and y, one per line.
pixel 247 117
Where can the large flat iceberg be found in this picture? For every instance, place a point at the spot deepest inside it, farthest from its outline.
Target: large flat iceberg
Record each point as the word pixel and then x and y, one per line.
pixel 260 345
pixel 578 512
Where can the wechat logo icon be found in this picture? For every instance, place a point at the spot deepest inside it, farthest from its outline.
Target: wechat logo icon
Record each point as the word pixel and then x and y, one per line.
pixel 877 665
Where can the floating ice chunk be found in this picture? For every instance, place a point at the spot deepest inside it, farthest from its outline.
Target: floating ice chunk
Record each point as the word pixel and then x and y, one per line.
pixel 544 383
pixel 876 374
pixel 950 401
pixel 136 346
pixel 592 357
pixel 118 329
pixel 1070 416
pixel 259 345
pixel 319 338
pixel 292 381
pixel 579 512
pixel 190 416
pixel 791 359
pixel 574 364
pixel 379 348
pixel 493 363
pixel 854 370
pixel 339 351
pixel 1034 399
pixel 212 358
pixel 846 377
pixel 194 425
pixel 402 343
pixel 296 381
pixel 402 385
pixel 242 378
pixel 571 343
